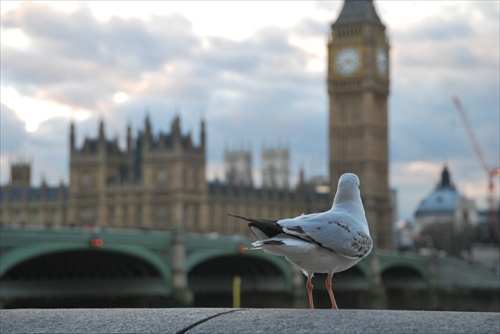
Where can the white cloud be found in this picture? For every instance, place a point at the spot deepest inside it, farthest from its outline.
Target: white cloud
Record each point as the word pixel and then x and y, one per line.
pixel 120 97
pixel 33 111
pixel 14 38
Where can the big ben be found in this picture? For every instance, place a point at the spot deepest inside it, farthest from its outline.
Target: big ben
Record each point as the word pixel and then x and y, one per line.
pixel 358 88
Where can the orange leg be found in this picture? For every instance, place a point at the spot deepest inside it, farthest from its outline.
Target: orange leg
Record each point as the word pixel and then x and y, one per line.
pixel 328 284
pixel 310 290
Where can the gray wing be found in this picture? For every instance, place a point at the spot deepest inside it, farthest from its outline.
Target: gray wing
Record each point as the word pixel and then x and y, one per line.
pixel 336 232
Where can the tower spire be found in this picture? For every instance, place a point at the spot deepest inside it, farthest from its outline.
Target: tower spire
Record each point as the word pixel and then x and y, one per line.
pixel 101 129
pixel 203 134
pixel 129 138
pixel 148 124
pixel 445 179
pixel 358 11
pixel 72 136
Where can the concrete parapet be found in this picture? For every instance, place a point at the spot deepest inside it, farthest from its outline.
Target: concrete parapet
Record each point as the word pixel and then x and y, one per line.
pixel 219 320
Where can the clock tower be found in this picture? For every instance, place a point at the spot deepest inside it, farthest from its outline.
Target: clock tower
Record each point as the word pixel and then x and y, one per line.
pixel 358 88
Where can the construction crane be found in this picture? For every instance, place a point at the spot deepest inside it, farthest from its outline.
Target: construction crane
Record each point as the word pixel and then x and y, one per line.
pixel 491 172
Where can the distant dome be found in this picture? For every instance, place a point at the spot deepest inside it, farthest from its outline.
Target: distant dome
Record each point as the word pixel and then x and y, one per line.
pixel 442 200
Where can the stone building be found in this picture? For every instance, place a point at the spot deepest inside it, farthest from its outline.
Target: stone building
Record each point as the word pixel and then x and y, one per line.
pixel 156 182
pixel 445 205
pixel 445 218
pixel 238 167
pixel 21 204
pixel 275 167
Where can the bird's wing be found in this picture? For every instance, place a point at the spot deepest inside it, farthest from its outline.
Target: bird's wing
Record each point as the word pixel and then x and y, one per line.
pixel 336 232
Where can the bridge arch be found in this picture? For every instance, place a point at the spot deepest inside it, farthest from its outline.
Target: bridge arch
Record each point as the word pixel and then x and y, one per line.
pixel 417 267
pixel 22 254
pixel 403 275
pixel 364 269
pixel 264 279
pixel 355 278
pixel 199 257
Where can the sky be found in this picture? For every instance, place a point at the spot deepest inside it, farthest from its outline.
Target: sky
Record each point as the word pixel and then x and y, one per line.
pixel 256 72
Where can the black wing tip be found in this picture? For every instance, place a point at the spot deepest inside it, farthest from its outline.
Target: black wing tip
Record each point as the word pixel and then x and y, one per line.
pixel 266 226
pixel 238 216
pixel 252 220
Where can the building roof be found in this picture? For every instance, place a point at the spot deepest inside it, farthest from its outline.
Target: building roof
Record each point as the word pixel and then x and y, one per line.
pixel 223 188
pixel 17 194
pixel 358 11
pixel 442 200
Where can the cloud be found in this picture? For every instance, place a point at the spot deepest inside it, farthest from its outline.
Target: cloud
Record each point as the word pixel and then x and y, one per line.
pixel 310 27
pixel 437 58
pixel 78 60
pixel 13 135
pixel 46 148
pixel 438 28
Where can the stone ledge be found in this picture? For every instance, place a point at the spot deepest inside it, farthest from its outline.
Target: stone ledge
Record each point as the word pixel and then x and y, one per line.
pixel 220 320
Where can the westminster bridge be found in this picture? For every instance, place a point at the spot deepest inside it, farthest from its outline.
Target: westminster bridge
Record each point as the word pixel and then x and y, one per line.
pixel 74 267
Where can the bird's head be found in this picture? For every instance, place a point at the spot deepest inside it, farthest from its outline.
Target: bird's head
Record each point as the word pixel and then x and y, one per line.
pixel 348 189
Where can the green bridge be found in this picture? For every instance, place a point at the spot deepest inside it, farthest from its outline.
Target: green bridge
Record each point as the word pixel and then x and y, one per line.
pixel 89 267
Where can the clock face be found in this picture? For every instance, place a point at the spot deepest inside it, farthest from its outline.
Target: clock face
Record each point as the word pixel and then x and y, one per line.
pixel 347 61
pixel 381 62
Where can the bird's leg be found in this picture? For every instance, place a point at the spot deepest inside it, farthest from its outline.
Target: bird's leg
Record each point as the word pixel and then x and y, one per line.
pixel 328 284
pixel 310 290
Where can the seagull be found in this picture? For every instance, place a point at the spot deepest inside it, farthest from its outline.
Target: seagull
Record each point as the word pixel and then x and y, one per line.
pixel 327 242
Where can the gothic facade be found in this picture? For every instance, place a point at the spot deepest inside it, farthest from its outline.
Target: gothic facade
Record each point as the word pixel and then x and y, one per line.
pixel 157 182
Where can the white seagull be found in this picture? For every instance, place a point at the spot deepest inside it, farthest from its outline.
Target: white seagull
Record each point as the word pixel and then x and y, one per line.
pixel 326 242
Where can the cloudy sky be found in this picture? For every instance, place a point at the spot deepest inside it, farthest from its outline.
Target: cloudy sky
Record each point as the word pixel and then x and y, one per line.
pixel 256 72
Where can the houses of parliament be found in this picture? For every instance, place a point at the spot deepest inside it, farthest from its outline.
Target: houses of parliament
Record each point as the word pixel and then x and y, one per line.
pixel 157 182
